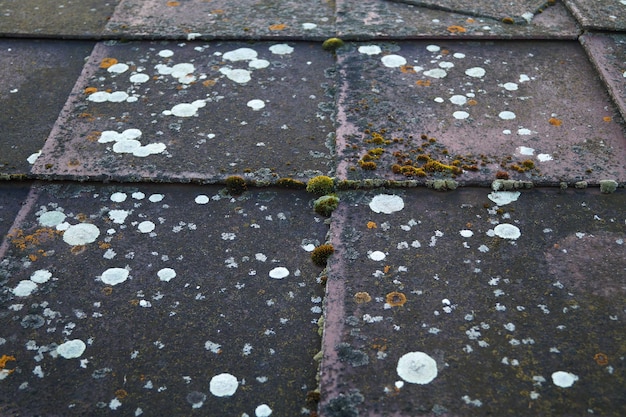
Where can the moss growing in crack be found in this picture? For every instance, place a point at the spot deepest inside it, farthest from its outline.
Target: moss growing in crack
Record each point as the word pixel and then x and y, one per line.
pixel 236 185
pixel 442 185
pixel 320 254
pixel 332 44
pixel 320 185
pixel 608 186
pixel 325 205
pixel 290 183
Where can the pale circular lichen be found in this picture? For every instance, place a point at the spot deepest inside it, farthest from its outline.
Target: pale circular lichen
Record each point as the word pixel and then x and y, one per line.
pixel 279 272
pixel 81 234
pixel 386 203
pixel 393 61
pixel 417 368
pixel 114 276
pixel 564 379
pixel 166 274
pixel 71 349
pixel 507 231
pixel 223 385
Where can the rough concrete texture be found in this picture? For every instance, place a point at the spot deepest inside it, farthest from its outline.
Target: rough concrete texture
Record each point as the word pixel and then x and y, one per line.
pixel 221 19
pixel 420 110
pixel 599 15
pixel 203 111
pixel 498 312
pixel 34 73
pixel 366 19
pixel 165 287
pixel 54 19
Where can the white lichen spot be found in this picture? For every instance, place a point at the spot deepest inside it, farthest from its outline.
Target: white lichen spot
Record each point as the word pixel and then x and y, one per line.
pixel 279 272
pixel 241 54
pixel 114 276
pixel 146 226
pixel 564 379
pixel 256 104
pixel 202 199
pixel 263 411
pixel 417 368
pixel 502 198
pixel 40 276
pixel 166 53
pixel 51 218
pixel 458 99
pixel 187 109
pixel 33 157
pixel 506 115
pixel 460 115
pixel 377 256
pixel 81 234
pixel 433 48
pixel 510 86
pixel 71 349
pixel 281 49
pixel 544 157
pixel 393 61
pixel 118 68
pixel 475 72
pixel 370 49
pixel 524 150
pixel 118 216
pixel 436 73
pixel 223 385
pixel 213 347
pixel 507 231
pixel 466 233
pixel 258 64
pixel 166 274
pixel 240 76
pixel 24 288
pixel 139 78
pixel 386 203
pixel 308 26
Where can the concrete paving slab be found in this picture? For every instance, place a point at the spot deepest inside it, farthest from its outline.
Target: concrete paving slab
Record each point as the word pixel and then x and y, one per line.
pixel 514 304
pixel 12 195
pixel 65 18
pixel 222 19
pixel 369 19
pixel 474 112
pixel 197 111
pixel 36 78
pixel 608 53
pixel 599 15
pixel 160 300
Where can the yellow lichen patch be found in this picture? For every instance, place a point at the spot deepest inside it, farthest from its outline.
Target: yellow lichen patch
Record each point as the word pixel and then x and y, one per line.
pixel 23 241
pixel 371 225
pixel 601 359
pixel 456 29
pixel 107 62
pixel 470 20
pixel 395 299
pixel 508 20
pixel 209 83
pixel 607 119
pixel 555 122
pixel 172 3
pixel 472 102
pixel 90 90
pixel 3 363
pixel 407 69
pixel 362 297
pixel 121 394
pixel 93 136
pixel 423 83
pixel 278 26
pixel 386 269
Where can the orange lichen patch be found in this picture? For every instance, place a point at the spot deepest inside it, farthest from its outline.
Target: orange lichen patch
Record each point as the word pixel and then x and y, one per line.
pixel 601 359
pixel 104 245
pixel 607 119
pixel 3 363
pixel 172 3
pixel 107 290
pixel 407 69
pixel 395 299
pixel 93 136
pixel 386 269
pixel 508 20
pixel 555 122
pixel 456 29
pixel 423 83
pixel 209 83
pixel 472 102
pixel 470 20
pixel 32 257
pixel 107 62
pixel 78 249
pixel 362 297
pixel 134 302
pixel 278 26
pixel 23 241
pixel 121 394
pixel 90 90
pixel 371 225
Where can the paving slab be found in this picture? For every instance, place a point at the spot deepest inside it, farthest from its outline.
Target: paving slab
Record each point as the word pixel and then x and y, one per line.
pixel 36 78
pixel 608 53
pixel 12 195
pixel 476 111
pixel 470 304
pixel 221 19
pixel 197 111
pixel 160 300
pixel 376 19
pixel 599 15
pixel 66 18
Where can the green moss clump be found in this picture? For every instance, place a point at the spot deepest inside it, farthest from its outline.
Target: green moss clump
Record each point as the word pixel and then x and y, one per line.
pixel 325 205
pixel 236 185
pixel 332 44
pixel 320 255
pixel 290 183
pixel 608 186
pixel 320 185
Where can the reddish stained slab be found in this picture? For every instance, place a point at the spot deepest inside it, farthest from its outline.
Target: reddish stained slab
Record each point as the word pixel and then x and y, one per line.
pixel 289 134
pixel 599 15
pixel 608 53
pixel 221 19
pixel 498 316
pixel 364 19
pixel 35 78
pixel 198 299
pixel 519 110
pixel 42 18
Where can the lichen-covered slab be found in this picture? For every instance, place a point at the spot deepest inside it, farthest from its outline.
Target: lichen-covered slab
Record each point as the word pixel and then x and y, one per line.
pixel 599 15
pixel 475 111
pixel 36 78
pixel 202 111
pixel 519 303
pixel 200 19
pixel 132 299
pixel 43 18
pixel 363 19
pixel 608 53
